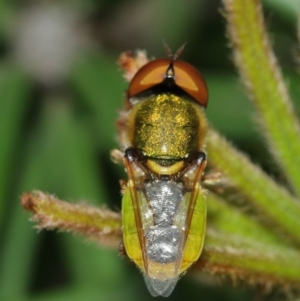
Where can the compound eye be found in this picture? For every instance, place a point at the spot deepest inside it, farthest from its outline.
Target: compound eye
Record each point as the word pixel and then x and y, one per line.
pixel 148 76
pixel 188 78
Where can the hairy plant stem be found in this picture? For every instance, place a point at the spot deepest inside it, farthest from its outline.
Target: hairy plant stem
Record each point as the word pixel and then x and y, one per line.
pixel 263 79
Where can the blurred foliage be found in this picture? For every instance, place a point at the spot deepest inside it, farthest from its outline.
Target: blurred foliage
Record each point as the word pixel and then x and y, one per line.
pixel 56 136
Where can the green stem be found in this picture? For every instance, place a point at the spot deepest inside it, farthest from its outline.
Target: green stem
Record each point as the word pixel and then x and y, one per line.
pixel 250 261
pixel 265 195
pixel 100 225
pixel 263 79
pixel 231 220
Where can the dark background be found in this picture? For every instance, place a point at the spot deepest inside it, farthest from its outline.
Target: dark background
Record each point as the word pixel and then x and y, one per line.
pixel 60 92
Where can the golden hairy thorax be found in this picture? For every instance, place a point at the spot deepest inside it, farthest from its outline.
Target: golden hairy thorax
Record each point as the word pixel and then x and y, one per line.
pixel 166 128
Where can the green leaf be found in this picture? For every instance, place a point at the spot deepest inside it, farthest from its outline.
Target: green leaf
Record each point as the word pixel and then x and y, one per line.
pixel 14 87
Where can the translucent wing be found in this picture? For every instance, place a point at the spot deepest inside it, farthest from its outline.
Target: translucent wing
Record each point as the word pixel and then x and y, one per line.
pixel 157 218
pixel 160 287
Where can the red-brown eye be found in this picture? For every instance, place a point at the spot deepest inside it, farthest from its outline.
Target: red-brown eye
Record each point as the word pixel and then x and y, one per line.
pixel 148 76
pixel 186 77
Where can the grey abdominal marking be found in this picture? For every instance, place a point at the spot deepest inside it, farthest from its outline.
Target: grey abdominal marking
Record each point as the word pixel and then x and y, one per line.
pixel 163 238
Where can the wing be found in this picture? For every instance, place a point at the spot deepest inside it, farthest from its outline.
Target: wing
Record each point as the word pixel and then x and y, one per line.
pixel 161 229
pixel 133 203
pixel 158 287
pixel 196 225
pixel 195 217
pixel 138 222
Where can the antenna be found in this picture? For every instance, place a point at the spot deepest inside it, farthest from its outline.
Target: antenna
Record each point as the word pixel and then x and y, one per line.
pixel 169 51
pixel 179 51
